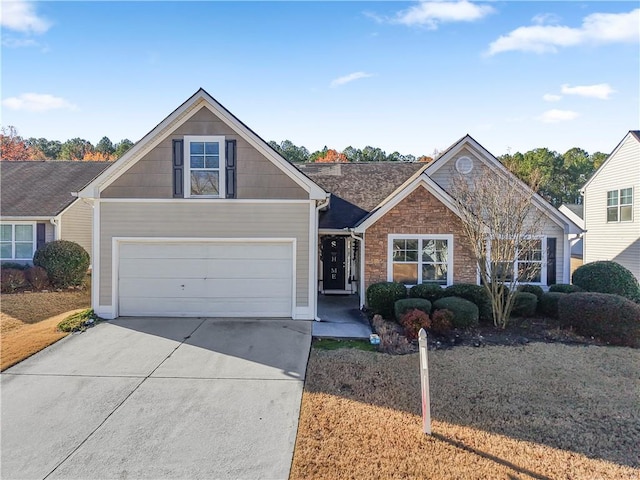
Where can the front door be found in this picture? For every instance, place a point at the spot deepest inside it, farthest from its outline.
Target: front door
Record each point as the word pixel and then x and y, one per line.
pixel 333 263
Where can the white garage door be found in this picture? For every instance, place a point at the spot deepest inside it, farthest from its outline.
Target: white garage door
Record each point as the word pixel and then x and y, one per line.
pixel 213 279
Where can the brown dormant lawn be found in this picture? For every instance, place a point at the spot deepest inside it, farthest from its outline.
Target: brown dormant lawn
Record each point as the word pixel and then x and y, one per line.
pixel 538 411
pixel 28 321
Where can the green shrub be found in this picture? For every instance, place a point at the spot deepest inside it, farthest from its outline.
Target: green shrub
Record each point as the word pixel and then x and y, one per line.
pixel 12 280
pixel 607 277
pixel 13 265
pixel 78 322
pixel 381 297
pixel 66 262
pixel 476 294
pixel 441 321
pixel 37 277
pixel 405 304
pixel 465 313
pixel 548 303
pixel 412 321
pixel 428 291
pixel 565 288
pixel 535 289
pixel 524 304
pixel 612 318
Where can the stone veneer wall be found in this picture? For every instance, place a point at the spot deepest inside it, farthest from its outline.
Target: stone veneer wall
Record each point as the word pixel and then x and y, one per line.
pixel 419 213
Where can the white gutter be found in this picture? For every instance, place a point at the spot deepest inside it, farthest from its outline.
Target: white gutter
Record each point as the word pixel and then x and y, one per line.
pixel 320 204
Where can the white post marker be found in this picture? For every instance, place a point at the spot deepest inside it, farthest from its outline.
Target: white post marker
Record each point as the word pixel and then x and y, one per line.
pixel 424 381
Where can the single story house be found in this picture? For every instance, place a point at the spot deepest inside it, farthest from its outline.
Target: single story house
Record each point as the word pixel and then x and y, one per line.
pixel 612 207
pixel 203 218
pixel 37 206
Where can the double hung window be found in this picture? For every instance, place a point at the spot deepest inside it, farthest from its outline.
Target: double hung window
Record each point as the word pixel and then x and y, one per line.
pixel 415 259
pixel 17 241
pixel 205 162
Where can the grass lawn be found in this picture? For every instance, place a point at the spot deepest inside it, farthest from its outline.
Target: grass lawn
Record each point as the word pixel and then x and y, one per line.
pixel 538 411
pixel 28 321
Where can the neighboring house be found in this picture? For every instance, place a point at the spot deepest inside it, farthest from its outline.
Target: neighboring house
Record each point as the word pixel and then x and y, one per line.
pixel 203 218
pixel 37 206
pixel 612 207
pixel 575 212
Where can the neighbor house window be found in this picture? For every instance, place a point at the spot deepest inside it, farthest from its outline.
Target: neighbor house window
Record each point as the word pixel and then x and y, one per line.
pixel 415 259
pixel 205 166
pixel 529 265
pixel 620 205
pixel 17 241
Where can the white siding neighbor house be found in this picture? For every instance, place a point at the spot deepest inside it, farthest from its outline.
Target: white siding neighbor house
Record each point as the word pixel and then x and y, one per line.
pixel 612 207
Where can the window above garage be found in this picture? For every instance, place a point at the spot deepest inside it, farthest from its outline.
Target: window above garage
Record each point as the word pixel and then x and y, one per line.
pixel 204 166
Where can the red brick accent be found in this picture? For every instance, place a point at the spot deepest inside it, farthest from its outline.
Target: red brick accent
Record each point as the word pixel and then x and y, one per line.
pixel 419 213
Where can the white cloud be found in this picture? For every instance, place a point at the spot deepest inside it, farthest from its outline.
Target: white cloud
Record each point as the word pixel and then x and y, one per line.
pixel 431 13
pixel 555 116
pixel 600 90
pixel 349 78
pixel 550 97
pixel 21 16
pixel 11 42
pixel 596 28
pixel 545 18
pixel 37 102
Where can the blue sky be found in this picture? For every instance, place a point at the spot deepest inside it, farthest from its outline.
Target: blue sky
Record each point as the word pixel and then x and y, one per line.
pixel 403 76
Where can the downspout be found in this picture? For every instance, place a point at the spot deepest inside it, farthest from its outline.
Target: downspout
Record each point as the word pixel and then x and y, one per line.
pixel 55 221
pixel 320 205
pixel 361 262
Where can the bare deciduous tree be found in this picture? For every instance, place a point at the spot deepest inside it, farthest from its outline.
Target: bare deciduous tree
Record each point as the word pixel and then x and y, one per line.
pixel 503 226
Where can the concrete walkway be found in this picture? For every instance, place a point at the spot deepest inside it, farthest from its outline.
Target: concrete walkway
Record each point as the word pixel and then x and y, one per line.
pixel 158 398
pixel 340 318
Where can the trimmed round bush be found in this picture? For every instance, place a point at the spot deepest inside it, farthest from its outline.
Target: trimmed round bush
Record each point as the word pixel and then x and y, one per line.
pixel 607 277
pixel 476 294
pixel 611 318
pixel 565 288
pixel 65 262
pixel 405 304
pixel 524 304
pixel 465 313
pixel 382 297
pixel 412 321
pixel 548 303
pixel 535 289
pixel 428 291
pixel 441 321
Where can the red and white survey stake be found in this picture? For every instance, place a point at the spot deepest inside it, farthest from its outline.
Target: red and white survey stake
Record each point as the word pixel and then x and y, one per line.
pixel 424 382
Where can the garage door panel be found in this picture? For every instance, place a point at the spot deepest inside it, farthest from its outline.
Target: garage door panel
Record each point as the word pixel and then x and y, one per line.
pixel 181 307
pixel 206 279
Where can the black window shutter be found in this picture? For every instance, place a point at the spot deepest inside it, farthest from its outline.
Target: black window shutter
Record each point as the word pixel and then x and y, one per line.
pixel 178 168
pixel 230 169
pixel 41 229
pixel 551 261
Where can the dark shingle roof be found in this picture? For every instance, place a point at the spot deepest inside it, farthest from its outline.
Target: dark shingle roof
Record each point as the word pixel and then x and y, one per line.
pixel 43 189
pixel 636 133
pixel 575 208
pixel 356 188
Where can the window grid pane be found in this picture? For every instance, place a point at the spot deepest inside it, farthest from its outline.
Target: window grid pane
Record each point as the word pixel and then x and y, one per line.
pixel 626 196
pixel 24 250
pixel 5 250
pixel 626 213
pixel 204 163
pixel 612 214
pixel 24 233
pixel 6 233
pixel 612 198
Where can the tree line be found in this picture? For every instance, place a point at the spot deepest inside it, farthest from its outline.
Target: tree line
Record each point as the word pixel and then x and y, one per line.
pixel 560 176
pixel 16 148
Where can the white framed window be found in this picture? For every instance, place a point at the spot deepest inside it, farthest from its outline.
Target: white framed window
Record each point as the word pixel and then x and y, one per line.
pixel 204 166
pixel 17 241
pixel 620 205
pixel 415 259
pixel 530 265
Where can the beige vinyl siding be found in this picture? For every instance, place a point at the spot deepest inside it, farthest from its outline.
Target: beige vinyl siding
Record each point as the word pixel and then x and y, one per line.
pixel 617 241
pixel 209 220
pixel 76 223
pixel 257 176
pixel 444 174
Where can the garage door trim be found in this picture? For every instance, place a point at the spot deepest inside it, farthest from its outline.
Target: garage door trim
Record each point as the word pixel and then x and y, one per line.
pixel 118 241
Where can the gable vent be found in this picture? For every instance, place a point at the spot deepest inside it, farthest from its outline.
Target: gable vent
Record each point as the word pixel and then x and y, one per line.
pixel 464 165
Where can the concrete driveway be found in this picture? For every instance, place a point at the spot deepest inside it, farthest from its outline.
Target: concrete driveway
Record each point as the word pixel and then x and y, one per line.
pixel 158 398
